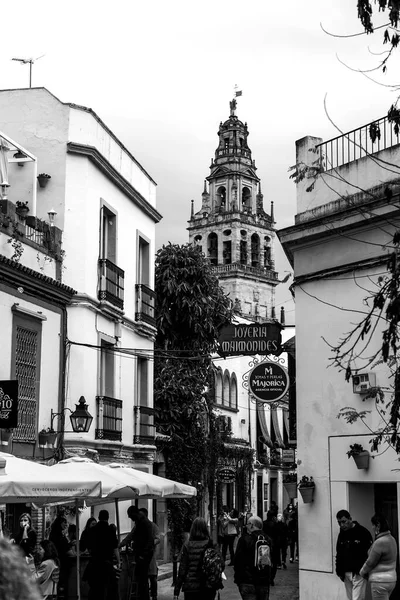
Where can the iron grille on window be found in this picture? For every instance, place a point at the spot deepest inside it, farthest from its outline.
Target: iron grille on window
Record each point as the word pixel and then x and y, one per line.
pixel 145 302
pixel 144 425
pixel 26 372
pixel 109 418
pixel 111 283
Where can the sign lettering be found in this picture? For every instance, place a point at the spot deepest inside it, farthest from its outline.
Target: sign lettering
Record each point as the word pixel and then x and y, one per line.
pixel 268 382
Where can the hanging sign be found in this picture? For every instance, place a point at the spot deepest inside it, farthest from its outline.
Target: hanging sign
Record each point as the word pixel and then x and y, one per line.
pixel 253 338
pixel 8 404
pixel 226 475
pixel 268 382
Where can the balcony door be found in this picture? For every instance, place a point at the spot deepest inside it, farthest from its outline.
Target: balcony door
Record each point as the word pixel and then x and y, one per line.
pixel 108 234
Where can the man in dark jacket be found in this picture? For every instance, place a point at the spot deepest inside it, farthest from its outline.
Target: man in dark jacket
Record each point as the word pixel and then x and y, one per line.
pixel 352 547
pixel 251 581
pixel 103 546
pixel 142 540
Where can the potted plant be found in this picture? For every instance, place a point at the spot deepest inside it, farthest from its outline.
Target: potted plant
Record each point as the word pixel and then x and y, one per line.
pixel 22 209
pixel 43 179
pixel 306 488
pixel 47 436
pixel 360 455
pixel 5 436
pixel 290 484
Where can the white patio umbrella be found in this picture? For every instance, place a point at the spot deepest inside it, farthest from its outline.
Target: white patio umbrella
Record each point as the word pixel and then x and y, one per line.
pixel 27 481
pixel 170 488
pixel 114 484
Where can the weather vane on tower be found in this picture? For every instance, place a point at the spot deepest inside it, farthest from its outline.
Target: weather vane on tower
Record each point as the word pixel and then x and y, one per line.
pixel 233 103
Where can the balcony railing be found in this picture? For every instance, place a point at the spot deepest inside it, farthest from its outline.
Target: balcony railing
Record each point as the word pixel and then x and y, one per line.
pixel 237 267
pixel 144 425
pixel 145 304
pixel 109 419
pixel 356 144
pixel 111 283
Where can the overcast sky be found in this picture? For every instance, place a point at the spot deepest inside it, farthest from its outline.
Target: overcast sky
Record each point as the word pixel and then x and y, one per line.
pixel 161 75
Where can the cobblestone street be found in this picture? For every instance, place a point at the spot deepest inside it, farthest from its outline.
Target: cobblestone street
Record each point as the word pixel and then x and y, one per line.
pixel 286 586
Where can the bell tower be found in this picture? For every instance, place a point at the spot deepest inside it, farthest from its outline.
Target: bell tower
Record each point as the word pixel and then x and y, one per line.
pixel 233 229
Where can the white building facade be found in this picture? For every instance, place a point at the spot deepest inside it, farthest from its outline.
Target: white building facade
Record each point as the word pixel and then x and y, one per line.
pixel 104 203
pixel 339 248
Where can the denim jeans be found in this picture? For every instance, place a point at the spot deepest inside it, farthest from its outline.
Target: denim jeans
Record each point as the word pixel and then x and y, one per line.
pixel 382 591
pixel 248 591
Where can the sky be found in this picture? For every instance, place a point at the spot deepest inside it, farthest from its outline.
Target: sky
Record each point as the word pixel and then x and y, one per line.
pixel 161 75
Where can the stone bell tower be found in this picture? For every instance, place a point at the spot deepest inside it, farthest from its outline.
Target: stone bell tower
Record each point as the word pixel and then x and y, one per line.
pixel 232 227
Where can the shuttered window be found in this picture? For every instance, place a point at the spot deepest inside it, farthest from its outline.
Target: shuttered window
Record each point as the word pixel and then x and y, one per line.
pixel 26 369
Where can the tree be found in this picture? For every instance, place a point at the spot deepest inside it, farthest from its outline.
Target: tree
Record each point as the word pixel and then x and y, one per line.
pixel 191 308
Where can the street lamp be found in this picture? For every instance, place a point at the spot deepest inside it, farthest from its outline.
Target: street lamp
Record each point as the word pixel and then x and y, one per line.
pixel 80 418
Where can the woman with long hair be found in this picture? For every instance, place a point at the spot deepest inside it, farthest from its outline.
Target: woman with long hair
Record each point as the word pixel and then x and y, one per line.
pixel 26 537
pixel 190 572
pixel 83 542
pixel 59 537
pixel 48 572
pixel 380 566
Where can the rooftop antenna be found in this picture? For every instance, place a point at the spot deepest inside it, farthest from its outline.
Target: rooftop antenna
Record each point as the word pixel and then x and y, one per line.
pixel 30 61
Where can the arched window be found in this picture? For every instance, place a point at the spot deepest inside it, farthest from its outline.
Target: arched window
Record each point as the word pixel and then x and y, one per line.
pixel 227 252
pixel 255 250
pixel 243 252
pixel 226 389
pixel 233 401
pixel 246 199
pixel 212 248
pixel 220 198
pixel 218 387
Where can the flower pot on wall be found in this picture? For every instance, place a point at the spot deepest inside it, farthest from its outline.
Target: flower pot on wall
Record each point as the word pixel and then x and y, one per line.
pixel 291 489
pixel 307 493
pixel 43 180
pixel 362 460
pixel 48 437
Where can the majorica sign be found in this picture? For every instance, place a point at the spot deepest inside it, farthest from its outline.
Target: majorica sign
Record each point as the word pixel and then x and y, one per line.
pixel 268 382
pixel 250 339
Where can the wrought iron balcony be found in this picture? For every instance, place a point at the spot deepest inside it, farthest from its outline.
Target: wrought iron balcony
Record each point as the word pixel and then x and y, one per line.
pixel 144 425
pixel 145 304
pixel 237 268
pixel 109 419
pixel 111 283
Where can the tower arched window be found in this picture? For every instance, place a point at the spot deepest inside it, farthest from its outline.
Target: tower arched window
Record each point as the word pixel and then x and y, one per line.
pixel 233 398
pixel 220 198
pixel 227 252
pixel 212 248
pixel 255 250
pixel 226 389
pixel 267 256
pixel 243 252
pixel 246 199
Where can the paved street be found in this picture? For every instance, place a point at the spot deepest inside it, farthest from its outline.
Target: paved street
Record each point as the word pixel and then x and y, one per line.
pixel 286 586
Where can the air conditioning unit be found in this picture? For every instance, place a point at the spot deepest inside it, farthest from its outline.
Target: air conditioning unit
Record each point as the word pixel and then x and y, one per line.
pixel 363 382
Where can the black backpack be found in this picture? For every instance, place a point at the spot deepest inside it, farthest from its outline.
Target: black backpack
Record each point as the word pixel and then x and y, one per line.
pixel 212 566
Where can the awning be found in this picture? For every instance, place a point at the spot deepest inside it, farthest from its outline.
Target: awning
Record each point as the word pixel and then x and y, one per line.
pixel 263 425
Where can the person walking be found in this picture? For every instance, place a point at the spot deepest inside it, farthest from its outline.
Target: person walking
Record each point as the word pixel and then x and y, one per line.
pixel 270 530
pixel 253 584
pixel 47 573
pixel 142 540
pixel 103 546
pixel 189 574
pixel 26 537
pixel 229 526
pixel 380 566
pixel 153 568
pixel 352 547
pixel 293 532
pixel 282 535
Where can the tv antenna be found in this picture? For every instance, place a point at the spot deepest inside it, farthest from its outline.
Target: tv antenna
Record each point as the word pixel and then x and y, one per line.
pixel 28 61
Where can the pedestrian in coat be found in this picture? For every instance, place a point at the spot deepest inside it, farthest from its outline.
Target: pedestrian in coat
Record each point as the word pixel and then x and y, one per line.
pixel 142 540
pixel 26 536
pixel 270 530
pixel 252 583
pixel 380 566
pixel 189 575
pixel 282 535
pixel 104 556
pixel 59 537
pixel 293 531
pixel 47 573
pixel 153 568
pixel 229 526
pixel 352 547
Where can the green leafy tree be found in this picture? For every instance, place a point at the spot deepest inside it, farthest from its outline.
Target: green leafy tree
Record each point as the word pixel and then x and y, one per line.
pixel 191 308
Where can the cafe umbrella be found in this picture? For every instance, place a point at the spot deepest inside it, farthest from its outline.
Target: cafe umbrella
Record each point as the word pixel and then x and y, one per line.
pixel 169 487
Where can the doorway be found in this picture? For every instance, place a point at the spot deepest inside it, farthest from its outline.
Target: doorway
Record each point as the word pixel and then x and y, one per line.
pixel 386 503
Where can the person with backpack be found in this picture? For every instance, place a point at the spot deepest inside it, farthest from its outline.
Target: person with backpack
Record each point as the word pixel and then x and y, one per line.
pixel 47 573
pixel 201 565
pixel 253 562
